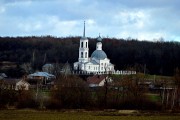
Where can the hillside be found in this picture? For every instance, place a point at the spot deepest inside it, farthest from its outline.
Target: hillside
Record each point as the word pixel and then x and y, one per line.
pixel 154 57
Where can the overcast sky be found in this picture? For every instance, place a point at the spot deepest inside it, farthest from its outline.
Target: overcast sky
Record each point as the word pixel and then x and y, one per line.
pixel 139 19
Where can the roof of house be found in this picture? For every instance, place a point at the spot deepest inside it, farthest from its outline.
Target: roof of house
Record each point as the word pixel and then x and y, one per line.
pixel 48 65
pixel 41 74
pixel 3 75
pixel 11 81
pixel 96 79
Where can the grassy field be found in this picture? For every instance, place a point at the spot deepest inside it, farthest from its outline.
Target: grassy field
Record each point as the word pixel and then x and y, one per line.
pixel 153 97
pixel 55 115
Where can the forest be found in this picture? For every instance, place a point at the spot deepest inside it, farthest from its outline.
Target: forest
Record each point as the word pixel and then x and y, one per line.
pixel 160 57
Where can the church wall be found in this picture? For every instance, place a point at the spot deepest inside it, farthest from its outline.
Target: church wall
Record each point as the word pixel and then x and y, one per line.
pixel 104 65
pixel 92 68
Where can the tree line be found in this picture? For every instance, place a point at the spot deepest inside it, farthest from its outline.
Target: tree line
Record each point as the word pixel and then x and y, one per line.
pixel 151 57
pixel 72 92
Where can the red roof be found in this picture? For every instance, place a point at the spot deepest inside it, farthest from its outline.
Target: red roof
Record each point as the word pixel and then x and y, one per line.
pixel 96 79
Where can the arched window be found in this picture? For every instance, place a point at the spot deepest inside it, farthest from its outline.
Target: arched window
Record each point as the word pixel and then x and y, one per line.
pixel 81 44
pixel 86 55
pixel 81 54
pixel 86 45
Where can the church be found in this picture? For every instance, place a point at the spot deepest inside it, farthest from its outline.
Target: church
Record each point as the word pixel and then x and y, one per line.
pixel 98 63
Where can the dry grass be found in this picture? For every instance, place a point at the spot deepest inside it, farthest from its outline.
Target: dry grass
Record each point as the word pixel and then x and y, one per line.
pixel 75 115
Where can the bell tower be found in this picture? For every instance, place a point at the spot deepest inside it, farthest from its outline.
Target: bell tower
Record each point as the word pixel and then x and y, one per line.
pixel 83 48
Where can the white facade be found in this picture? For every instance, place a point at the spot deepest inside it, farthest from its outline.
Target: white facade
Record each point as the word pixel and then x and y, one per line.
pixel 97 63
pixel 22 85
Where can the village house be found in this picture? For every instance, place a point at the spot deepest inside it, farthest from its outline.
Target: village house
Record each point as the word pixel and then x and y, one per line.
pixel 15 84
pixel 41 76
pixel 49 68
pixel 2 76
pixel 44 79
pixel 98 80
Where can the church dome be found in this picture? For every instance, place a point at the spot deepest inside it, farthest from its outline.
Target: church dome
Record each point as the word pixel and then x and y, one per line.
pixel 99 54
pixel 99 39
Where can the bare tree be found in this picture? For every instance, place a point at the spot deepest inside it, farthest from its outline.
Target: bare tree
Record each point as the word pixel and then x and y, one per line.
pixel 27 68
pixel 176 93
pixel 71 92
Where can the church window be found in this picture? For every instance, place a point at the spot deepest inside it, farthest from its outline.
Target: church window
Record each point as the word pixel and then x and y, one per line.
pixel 101 68
pixel 86 55
pixel 81 44
pixel 102 64
pixel 86 45
pixel 81 54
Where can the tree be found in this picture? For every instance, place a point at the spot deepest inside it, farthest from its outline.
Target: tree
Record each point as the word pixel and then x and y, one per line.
pixel 27 68
pixel 71 92
pixel 176 93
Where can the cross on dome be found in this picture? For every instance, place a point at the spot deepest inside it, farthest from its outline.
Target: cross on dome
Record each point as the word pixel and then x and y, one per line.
pixel 99 39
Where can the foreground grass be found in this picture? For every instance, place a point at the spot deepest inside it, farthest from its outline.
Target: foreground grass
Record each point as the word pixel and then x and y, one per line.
pixel 54 115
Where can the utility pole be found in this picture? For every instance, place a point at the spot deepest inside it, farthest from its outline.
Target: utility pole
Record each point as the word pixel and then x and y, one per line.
pixel 144 69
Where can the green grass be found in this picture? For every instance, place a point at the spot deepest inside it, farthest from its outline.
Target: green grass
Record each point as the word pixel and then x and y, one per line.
pixel 158 77
pixel 153 97
pixel 55 115
pixel 146 76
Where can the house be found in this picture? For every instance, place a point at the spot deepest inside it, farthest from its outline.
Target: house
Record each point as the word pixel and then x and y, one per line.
pixel 22 85
pixel 15 84
pixel 49 68
pixel 42 78
pixel 98 80
pixel 2 76
pixel 66 69
pixel 41 75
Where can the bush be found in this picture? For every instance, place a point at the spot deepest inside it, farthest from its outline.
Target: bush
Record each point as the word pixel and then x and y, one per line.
pixel 72 92
pixel 26 99
pixel 7 98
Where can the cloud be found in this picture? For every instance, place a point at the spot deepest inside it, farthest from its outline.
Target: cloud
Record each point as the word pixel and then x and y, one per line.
pixel 2 10
pixel 127 18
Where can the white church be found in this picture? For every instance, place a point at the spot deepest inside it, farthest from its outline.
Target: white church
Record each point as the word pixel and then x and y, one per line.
pixel 98 63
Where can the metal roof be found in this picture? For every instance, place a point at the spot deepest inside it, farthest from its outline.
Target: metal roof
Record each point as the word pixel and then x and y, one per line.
pixel 99 54
pixel 41 74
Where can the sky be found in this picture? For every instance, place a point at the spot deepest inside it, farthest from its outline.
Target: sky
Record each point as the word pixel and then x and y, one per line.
pixel 138 19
